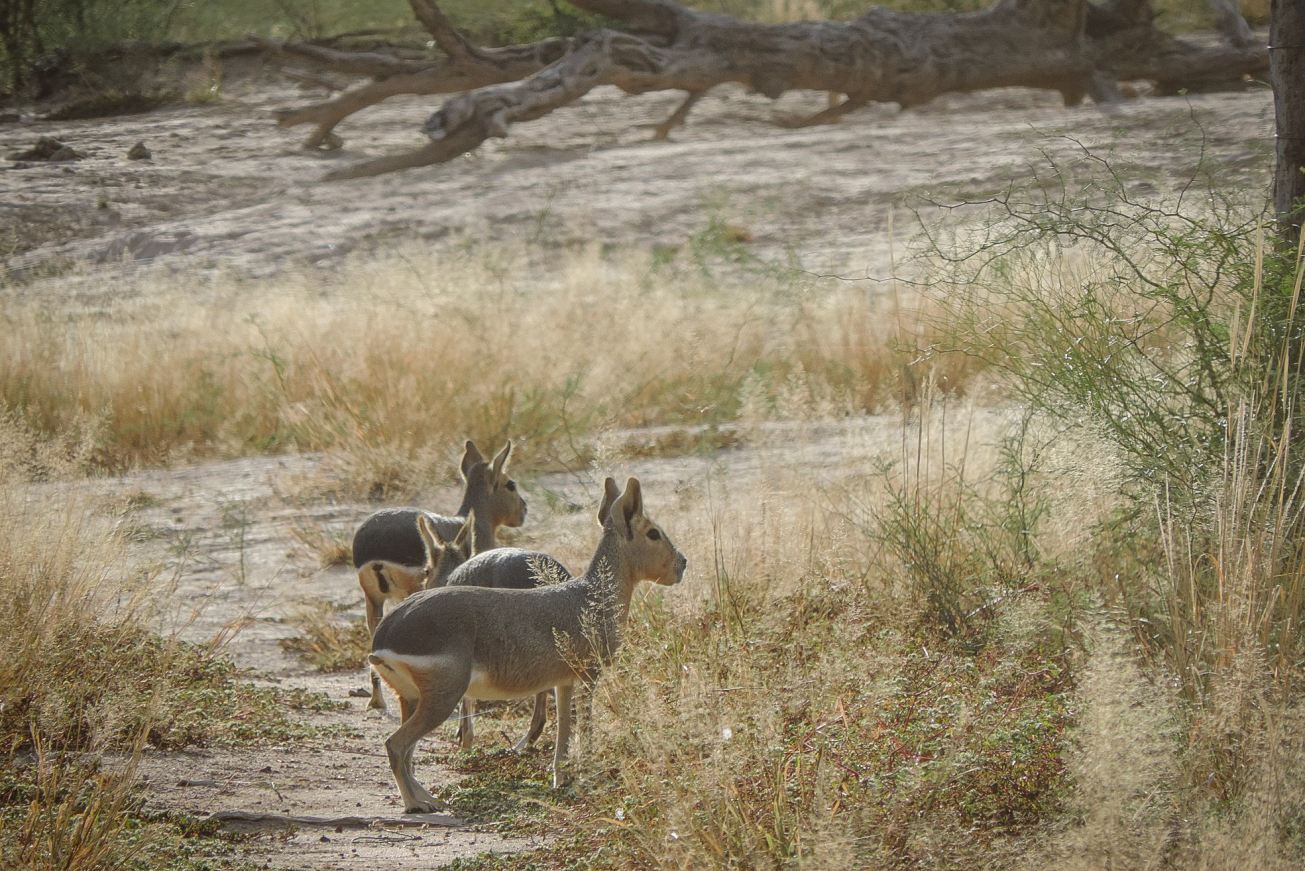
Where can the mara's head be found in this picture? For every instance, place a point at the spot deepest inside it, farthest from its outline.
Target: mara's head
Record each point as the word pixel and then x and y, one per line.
pixel 489 487
pixel 442 557
pixel 644 545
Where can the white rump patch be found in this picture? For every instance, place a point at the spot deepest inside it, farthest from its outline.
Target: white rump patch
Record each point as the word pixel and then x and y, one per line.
pixel 390 668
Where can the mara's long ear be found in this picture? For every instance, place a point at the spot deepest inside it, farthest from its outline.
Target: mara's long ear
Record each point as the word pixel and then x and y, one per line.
pixel 501 458
pixel 429 538
pixel 470 458
pixel 610 494
pixel 465 543
pixel 629 505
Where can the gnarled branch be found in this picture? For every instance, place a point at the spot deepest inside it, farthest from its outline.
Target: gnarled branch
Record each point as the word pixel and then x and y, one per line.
pixel 1072 46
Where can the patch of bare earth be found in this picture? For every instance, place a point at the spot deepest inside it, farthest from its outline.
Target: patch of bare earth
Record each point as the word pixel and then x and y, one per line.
pixel 227 540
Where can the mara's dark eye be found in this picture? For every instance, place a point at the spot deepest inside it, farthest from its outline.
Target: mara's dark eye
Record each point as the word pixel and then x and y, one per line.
pixel 654 534
pixel 512 485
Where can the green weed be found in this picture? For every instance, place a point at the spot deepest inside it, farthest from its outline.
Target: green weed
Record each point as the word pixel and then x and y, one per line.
pixel 328 645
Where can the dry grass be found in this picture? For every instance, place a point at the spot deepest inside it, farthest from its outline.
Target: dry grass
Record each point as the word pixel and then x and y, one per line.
pixel 1047 680
pixel 327 644
pixel 423 350
pixel 77 816
pixel 791 704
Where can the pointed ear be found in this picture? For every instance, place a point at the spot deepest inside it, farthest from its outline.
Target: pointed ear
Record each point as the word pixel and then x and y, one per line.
pixel 610 495
pixel 501 458
pixel 630 504
pixel 465 543
pixel 429 538
pixel 471 458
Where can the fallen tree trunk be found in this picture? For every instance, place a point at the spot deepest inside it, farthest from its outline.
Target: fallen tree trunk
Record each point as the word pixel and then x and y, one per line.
pixel 1074 47
pixel 393 76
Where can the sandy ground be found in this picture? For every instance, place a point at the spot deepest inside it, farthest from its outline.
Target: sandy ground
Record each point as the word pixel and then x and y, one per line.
pixel 226 189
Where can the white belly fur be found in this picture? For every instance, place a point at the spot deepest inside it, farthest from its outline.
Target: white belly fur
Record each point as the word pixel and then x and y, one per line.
pixel 481 687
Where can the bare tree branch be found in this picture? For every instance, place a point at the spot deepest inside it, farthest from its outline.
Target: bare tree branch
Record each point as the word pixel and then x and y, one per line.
pixel 393 77
pixel 447 37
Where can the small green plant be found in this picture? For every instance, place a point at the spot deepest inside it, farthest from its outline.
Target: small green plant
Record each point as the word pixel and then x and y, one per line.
pixel 1144 321
pixel 500 786
pixel 327 644
pixel 964 547
pixel 63 812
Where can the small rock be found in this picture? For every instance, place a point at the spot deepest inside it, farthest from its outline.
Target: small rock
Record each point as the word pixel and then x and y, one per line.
pixel 139 152
pixel 64 154
pixel 44 148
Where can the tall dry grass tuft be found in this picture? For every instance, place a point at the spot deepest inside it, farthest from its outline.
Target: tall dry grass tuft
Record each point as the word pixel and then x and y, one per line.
pixel 77 815
pixel 1125 763
pixel 414 351
pixel 68 597
pixel 64 579
pixel 82 674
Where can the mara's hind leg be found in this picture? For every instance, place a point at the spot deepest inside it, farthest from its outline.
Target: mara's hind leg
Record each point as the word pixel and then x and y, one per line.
pixel 371 581
pixel 562 694
pixel 439 695
pixel 377 700
pixel 466 724
pixel 537 721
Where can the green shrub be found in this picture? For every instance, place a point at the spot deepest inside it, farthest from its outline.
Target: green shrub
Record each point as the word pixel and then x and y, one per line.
pixel 1168 329
pixel 37 38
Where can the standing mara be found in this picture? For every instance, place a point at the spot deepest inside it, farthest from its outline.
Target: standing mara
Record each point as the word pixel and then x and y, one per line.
pixel 506 567
pixel 388 550
pixel 483 643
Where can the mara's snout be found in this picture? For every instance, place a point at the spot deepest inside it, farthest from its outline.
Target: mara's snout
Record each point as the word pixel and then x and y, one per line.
pixel 677 570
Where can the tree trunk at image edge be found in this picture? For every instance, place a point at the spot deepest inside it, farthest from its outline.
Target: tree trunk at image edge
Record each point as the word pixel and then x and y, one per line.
pixel 1287 74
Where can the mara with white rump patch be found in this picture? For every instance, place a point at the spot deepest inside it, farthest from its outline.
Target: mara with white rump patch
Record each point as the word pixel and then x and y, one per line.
pixel 483 643
pixel 391 557
pixel 506 568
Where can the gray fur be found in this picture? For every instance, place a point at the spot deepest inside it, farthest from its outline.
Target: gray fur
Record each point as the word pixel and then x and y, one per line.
pixel 508 568
pixel 390 535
